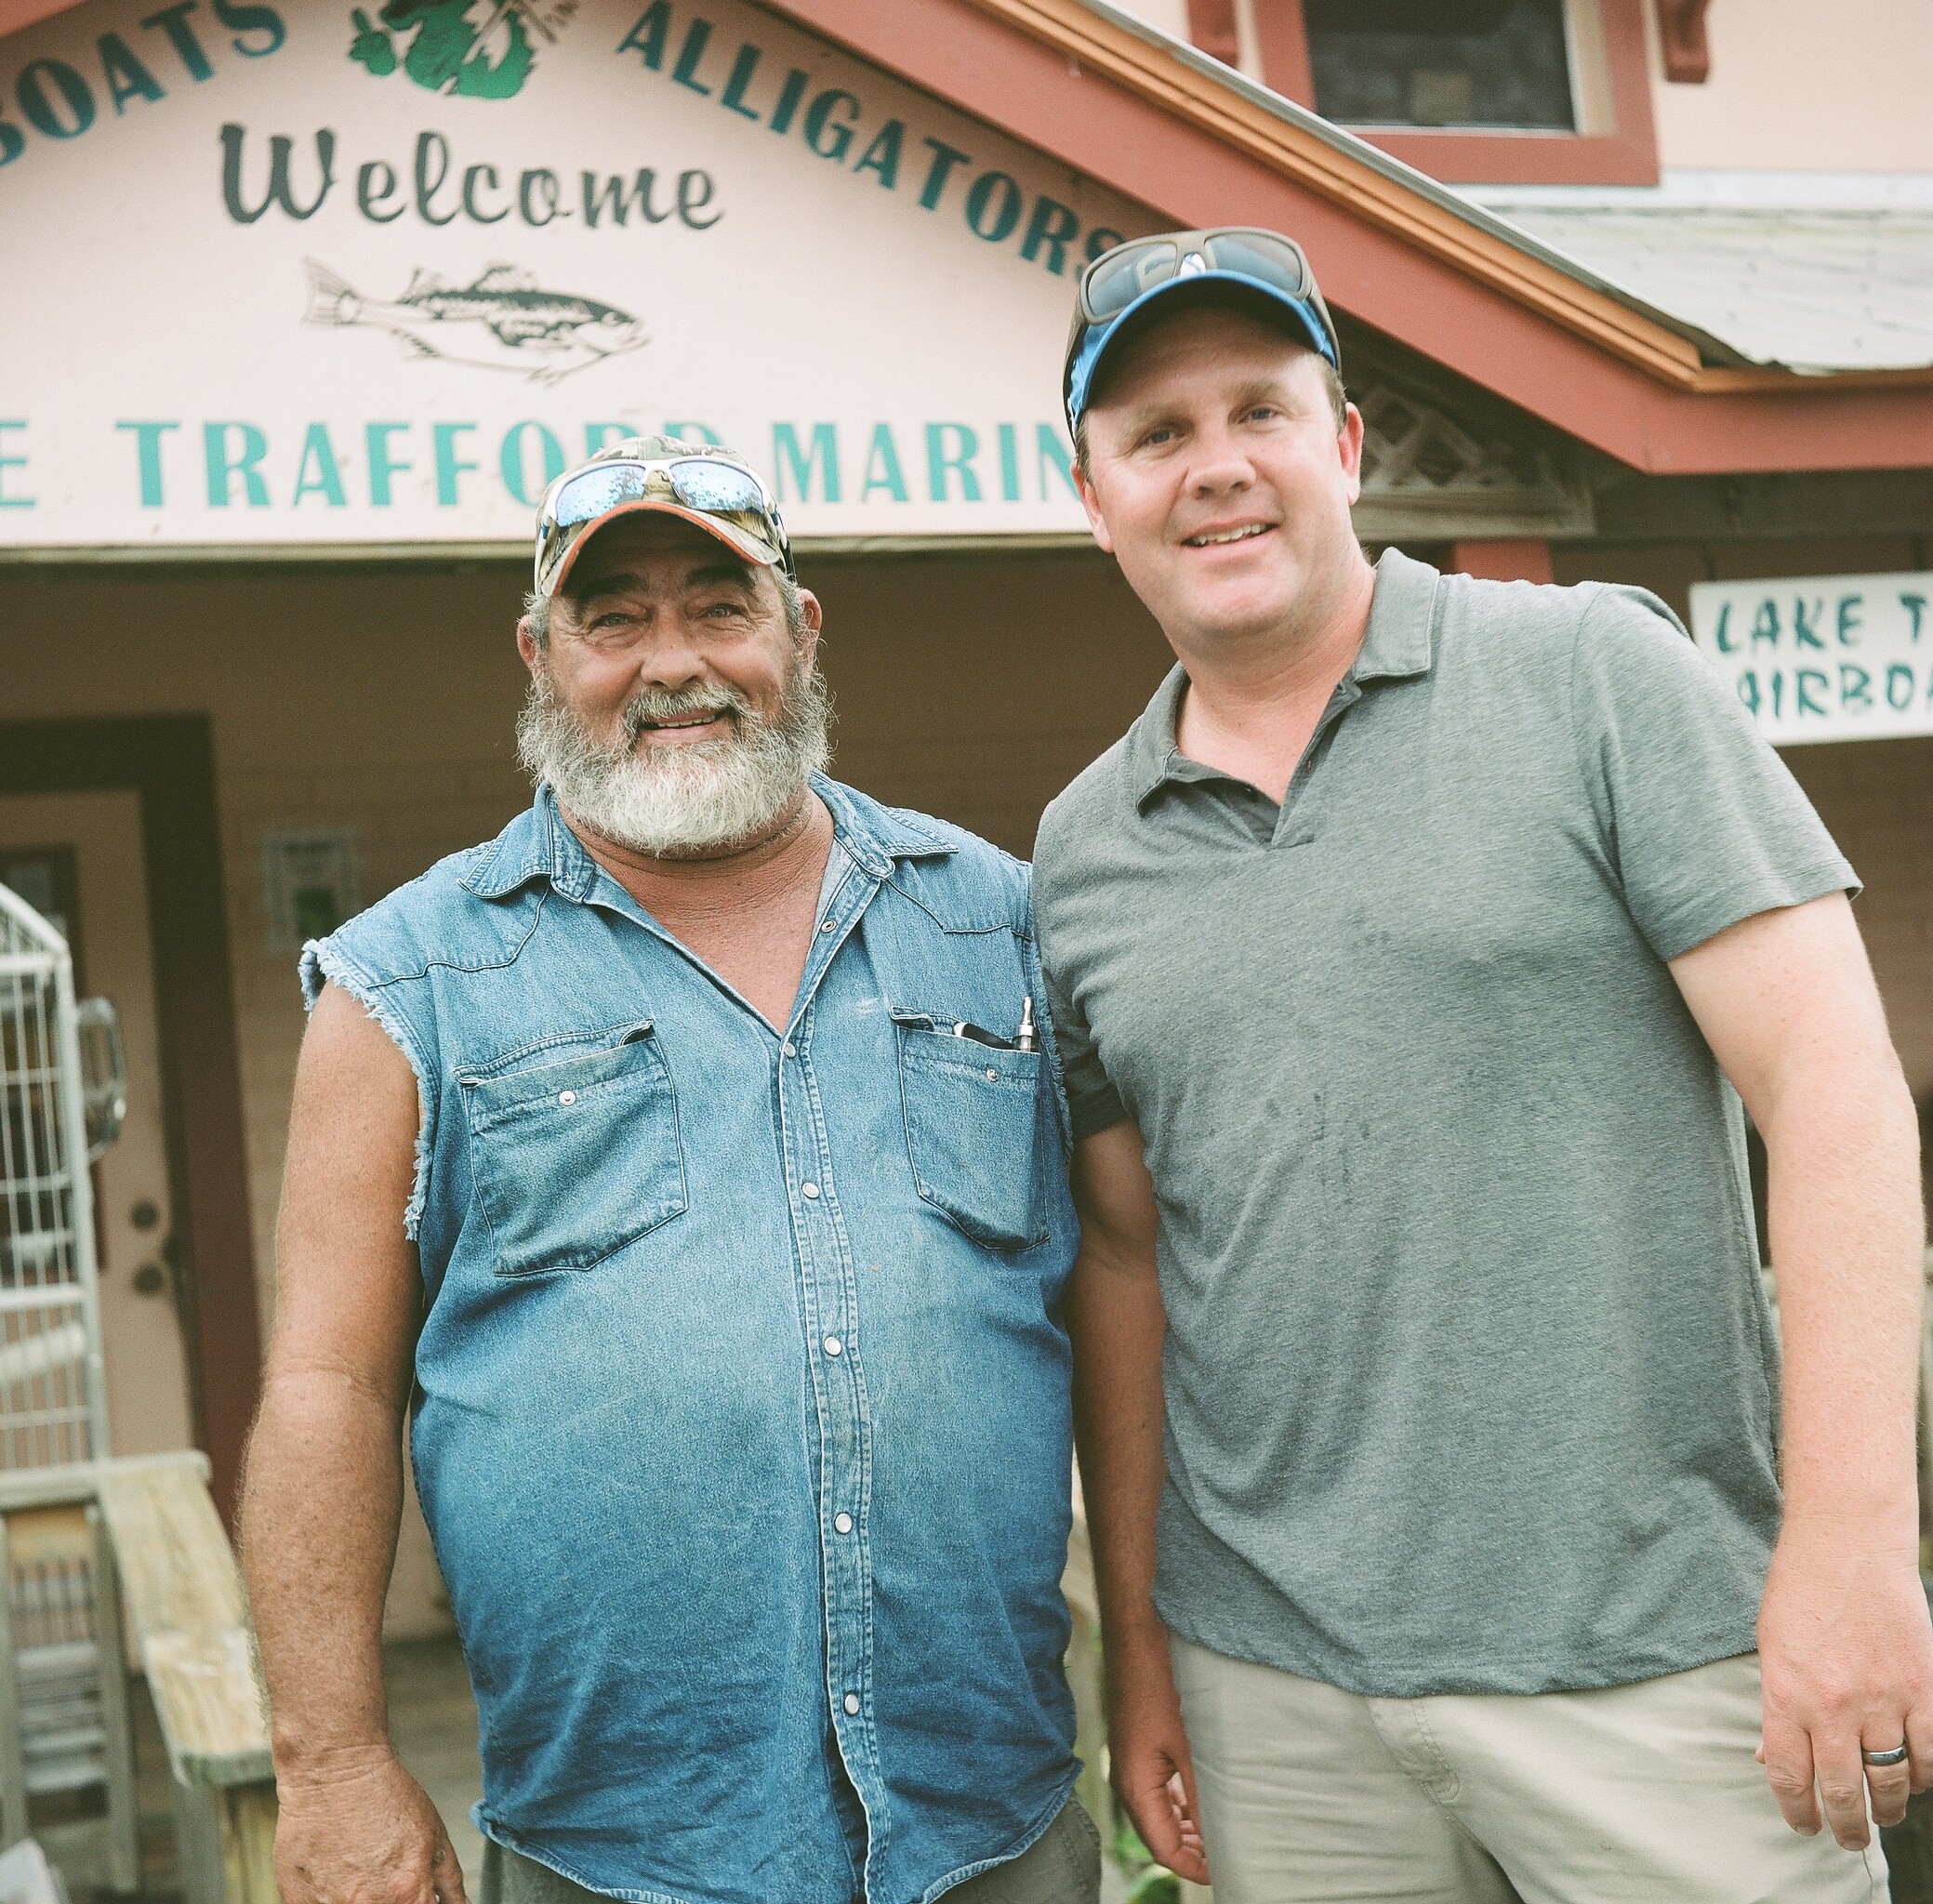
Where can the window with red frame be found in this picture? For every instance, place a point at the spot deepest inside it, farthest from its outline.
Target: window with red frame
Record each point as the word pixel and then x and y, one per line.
pixel 1462 63
pixel 1470 91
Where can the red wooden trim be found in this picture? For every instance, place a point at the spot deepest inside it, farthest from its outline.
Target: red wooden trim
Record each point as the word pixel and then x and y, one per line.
pixel 1628 155
pixel 1681 39
pixel 1521 158
pixel 1282 39
pixel 1188 178
pixel 16 14
pixel 1524 560
pixel 1212 28
pixel 169 760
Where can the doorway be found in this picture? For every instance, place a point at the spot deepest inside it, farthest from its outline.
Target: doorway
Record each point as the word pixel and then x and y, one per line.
pixel 117 819
pixel 77 859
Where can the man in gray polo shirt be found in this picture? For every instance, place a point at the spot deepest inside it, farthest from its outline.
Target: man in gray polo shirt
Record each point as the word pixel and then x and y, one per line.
pixel 1410 958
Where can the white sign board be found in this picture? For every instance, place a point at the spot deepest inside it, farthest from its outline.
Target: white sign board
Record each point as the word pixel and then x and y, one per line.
pixel 1825 658
pixel 321 272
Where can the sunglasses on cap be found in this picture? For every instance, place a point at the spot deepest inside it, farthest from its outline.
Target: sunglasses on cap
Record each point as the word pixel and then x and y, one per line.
pixel 1120 282
pixel 1116 278
pixel 719 494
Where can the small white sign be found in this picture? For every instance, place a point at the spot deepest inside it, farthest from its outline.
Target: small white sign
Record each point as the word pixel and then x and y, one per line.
pixel 309 883
pixel 1824 657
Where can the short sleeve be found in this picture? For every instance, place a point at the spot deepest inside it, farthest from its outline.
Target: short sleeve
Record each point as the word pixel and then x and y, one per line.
pixel 1703 823
pixel 1093 1105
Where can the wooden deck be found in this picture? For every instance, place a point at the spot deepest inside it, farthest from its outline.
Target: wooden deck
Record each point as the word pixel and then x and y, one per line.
pixel 432 1719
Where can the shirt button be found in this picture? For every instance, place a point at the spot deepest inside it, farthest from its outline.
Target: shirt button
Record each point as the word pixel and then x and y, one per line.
pixel 827 928
pixel 843 1522
pixel 790 1048
pixel 567 1097
pixel 992 1076
pixel 833 1346
pixel 809 1192
pixel 852 1702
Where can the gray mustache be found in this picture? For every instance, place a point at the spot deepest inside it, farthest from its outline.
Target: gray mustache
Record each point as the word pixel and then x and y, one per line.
pixel 656 708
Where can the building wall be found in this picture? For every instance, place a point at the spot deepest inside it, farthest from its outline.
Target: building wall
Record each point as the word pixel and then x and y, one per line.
pixel 1805 85
pixel 1797 85
pixel 1170 16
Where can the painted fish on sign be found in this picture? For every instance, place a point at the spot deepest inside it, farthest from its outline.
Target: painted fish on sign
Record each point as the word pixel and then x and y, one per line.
pixel 502 321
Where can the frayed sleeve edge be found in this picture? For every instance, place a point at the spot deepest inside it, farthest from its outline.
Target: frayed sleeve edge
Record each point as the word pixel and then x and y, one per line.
pixel 324 962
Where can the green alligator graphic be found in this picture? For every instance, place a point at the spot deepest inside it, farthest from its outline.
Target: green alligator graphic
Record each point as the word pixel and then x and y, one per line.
pixel 476 48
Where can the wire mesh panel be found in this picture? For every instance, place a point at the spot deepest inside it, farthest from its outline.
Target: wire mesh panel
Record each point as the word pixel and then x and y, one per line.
pixel 62 1694
pixel 51 1409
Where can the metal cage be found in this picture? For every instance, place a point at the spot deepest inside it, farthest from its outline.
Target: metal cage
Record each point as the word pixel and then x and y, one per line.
pixel 53 1408
pixel 64 1729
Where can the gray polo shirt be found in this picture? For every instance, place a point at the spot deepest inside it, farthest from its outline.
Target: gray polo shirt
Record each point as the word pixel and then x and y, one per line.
pixel 1470 1381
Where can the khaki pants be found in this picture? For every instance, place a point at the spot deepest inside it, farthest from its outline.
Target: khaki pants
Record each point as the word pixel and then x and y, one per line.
pixel 1631 1795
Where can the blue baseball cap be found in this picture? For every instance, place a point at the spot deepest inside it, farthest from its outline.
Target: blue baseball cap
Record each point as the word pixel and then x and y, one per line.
pixel 1124 289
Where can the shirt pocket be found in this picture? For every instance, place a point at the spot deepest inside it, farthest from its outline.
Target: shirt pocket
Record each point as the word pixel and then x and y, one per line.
pixel 574 1160
pixel 973 1123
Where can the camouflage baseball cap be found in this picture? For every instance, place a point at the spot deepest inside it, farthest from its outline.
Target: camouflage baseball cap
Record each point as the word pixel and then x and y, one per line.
pixel 702 484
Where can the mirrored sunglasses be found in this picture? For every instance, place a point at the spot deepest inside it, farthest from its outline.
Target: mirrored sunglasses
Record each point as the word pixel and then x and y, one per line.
pixel 707 483
pixel 1116 278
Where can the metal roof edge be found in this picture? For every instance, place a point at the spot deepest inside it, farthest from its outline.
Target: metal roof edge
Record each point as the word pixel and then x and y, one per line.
pixel 1711 188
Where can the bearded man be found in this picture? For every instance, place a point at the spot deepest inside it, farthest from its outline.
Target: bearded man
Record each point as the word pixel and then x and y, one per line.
pixel 693 1154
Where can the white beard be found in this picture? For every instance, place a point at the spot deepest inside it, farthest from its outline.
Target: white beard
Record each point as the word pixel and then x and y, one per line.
pixel 680 802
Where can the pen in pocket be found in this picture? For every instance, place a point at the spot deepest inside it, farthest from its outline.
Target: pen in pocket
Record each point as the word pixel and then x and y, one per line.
pixel 1025 1039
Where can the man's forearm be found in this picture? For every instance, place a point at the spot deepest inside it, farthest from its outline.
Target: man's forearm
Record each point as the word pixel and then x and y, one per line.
pixel 1787 1002
pixel 1848 1241
pixel 1118 1326
pixel 319 1517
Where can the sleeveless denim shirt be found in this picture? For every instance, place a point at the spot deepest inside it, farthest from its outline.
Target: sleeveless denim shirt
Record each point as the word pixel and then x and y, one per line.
pixel 741 1422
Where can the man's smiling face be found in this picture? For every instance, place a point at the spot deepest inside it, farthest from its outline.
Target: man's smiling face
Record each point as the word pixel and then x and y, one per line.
pixel 661 619
pixel 674 708
pixel 1218 479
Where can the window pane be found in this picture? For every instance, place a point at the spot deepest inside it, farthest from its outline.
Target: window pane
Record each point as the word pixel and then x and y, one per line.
pixel 1441 62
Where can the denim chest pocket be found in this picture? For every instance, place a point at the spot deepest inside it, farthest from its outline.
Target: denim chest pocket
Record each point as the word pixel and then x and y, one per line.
pixel 572 1160
pixel 972 1122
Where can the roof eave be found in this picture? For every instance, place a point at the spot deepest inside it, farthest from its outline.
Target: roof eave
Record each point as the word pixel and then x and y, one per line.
pixel 1090 83
pixel 1353 155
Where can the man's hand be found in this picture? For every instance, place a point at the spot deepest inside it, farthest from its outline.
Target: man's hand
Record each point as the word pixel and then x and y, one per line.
pixel 1148 1755
pixel 1115 1316
pixel 1846 1650
pixel 361 1831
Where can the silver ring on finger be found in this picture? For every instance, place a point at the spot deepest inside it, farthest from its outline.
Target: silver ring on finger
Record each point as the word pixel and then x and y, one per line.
pixel 1895 1757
